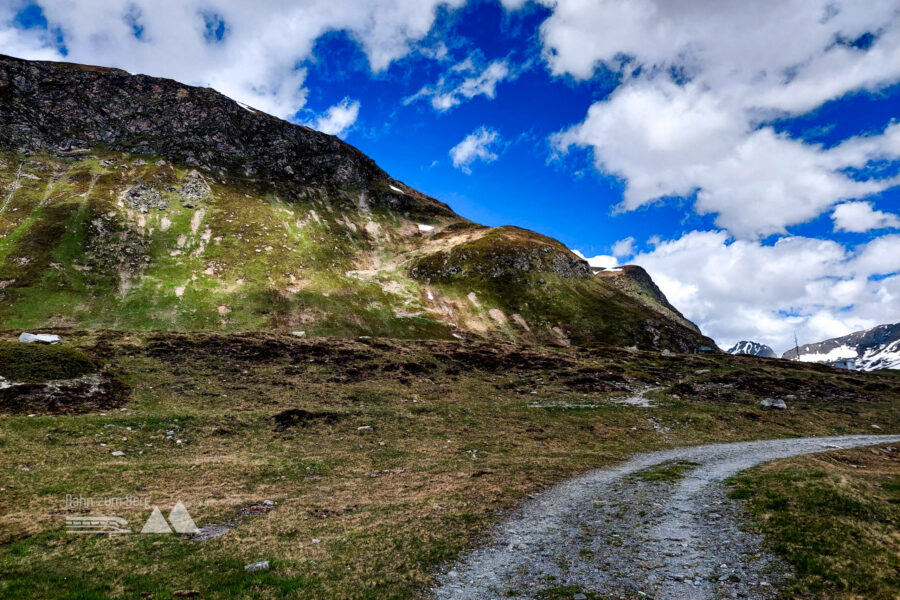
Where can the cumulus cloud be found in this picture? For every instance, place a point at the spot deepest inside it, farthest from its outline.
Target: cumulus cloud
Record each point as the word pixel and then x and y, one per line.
pixel 744 289
pixel 338 119
pixel 702 77
pixel 258 59
pixel 464 81
pixel 601 261
pixel 475 146
pixel 859 217
pixel 624 247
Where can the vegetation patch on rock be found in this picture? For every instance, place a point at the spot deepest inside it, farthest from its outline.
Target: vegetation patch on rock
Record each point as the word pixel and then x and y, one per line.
pixel 35 363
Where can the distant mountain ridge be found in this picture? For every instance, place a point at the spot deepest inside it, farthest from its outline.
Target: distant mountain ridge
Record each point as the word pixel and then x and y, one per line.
pixel 753 349
pixel 134 202
pixel 870 350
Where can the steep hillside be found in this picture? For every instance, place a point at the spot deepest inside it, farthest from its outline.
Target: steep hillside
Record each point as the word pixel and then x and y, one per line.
pixel 870 350
pixel 637 283
pixel 752 349
pixel 134 202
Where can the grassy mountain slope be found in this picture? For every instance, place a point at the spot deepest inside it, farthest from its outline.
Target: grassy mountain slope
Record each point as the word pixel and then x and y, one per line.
pixel 133 202
pixel 637 283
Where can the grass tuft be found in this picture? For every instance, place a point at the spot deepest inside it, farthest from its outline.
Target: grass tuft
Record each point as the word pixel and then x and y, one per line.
pixel 33 362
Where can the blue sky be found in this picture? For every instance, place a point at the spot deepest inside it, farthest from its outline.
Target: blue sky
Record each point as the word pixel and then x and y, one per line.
pixel 745 154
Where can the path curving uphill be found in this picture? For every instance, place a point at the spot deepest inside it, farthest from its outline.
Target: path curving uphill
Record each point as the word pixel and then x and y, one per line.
pixel 614 533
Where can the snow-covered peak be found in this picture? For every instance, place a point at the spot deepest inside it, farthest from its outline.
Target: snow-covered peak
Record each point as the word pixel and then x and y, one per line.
pixel 753 349
pixel 869 350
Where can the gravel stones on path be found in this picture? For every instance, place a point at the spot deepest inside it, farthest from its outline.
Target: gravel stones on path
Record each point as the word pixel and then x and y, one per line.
pixel 614 533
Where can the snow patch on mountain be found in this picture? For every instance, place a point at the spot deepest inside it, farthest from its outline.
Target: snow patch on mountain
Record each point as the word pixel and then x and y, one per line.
pixel 884 357
pixel 833 355
pixel 870 350
pixel 753 349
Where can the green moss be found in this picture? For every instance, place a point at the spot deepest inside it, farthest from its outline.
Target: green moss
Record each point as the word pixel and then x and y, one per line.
pixel 667 471
pixel 33 362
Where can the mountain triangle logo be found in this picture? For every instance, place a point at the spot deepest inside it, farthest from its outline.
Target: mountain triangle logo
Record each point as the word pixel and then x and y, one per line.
pixel 179 519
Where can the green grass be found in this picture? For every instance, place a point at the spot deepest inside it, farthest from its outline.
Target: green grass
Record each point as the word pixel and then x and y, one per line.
pixel 389 505
pixel 834 517
pixel 565 592
pixel 667 471
pixel 37 362
pixel 251 257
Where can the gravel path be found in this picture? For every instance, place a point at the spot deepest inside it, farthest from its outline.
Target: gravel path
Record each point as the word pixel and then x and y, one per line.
pixel 615 534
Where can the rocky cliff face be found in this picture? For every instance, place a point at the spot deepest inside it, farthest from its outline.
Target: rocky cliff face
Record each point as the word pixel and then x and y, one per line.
pixel 637 283
pixel 134 202
pixel 63 107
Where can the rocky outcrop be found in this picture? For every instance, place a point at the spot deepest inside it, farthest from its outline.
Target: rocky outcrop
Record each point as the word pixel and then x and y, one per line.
pixel 59 107
pixel 62 107
pixel 504 252
pixel 637 283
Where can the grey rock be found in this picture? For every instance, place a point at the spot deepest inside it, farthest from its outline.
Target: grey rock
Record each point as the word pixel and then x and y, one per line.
pixel 262 565
pixel 39 338
pixel 773 403
pixel 144 197
pixel 118 453
pixel 194 188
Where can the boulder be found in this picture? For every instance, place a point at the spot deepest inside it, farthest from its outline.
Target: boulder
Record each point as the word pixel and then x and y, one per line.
pixel 39 338
pixel 262 565
pixel 773 403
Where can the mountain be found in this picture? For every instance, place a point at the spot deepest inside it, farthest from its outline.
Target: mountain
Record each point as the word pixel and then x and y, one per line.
pixel 753 349
pixel 637 283
pixel 134 202
pixel 872 349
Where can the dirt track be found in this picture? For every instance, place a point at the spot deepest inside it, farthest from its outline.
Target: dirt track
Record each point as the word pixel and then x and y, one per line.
pixel 616 534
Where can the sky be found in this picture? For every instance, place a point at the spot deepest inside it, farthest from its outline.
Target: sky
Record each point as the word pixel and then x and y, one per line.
pixel 747 154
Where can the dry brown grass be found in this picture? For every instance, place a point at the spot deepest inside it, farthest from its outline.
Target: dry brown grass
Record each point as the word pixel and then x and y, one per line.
pixel 454 444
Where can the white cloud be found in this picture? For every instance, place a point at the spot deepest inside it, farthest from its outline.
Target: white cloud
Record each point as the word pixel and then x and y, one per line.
pixel 670 140
pixel 881 256
pixel 257 60
pixel 699 76
pixel 624 247
pixel 475 146
pixel 860 217
pixel 338 119
pixel 464 81
pixel 783 46
pixel 742 289
pixel 601 261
